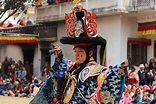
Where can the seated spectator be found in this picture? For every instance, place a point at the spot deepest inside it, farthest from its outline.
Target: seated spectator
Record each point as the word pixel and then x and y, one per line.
pixel 1 69
pixel 129 89
pixel 22 22
pixel 17 72
pixel 24 73
pixel 146 97
pixel 29 21
pixel 1 80
pixel 50 2
pixel 6 87
pixel 17 89
pixel 25 89
pixel 137 98
pixel 133 77
pixel 9 24
pixel 134 87
pixel 38 3
pixel 154 100
pixel 126 99
pixel 34 88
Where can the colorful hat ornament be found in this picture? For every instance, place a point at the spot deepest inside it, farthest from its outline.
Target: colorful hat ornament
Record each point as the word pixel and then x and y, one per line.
pixel 81 28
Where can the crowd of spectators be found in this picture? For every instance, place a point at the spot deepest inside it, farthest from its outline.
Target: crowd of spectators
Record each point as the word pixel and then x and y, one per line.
pixel 38 3
pixel 16 79
pixel 140 86
pixel 50 2
pixel 21 22
pixel 27 22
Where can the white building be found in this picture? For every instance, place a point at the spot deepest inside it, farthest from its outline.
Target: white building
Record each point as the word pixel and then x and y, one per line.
pixel 118 22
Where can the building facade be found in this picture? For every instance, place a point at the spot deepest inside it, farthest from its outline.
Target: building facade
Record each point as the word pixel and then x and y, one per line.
pixel 127 25
pixel 118 22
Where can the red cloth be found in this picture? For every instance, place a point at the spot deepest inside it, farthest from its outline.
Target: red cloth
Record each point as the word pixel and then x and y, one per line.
pixel 57 1
pixel 23 23
pixel 131 80
pixel 29 77
pixel 4 25
pixel 10 25
pixel 48 69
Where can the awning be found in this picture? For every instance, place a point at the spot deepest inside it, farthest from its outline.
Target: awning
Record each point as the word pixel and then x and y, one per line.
pixel 146 29
pixel 139 41
pixel 19 39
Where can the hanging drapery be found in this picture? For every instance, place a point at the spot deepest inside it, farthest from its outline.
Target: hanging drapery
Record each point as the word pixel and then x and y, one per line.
pixel 145 29
pixel 139 41
pixel 18 39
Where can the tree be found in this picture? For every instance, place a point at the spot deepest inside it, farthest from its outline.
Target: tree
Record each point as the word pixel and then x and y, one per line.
pixel 12 5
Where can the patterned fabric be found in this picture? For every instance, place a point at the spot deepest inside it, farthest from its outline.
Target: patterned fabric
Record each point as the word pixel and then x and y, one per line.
pixel 110 91
pixel 49 88
pixel 112 87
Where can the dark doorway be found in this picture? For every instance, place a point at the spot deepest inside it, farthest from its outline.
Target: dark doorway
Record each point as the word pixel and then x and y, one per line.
pixel 45 57
pixel 28 56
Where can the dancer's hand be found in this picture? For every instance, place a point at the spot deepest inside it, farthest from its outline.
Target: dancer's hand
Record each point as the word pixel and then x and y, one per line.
pixel 57 51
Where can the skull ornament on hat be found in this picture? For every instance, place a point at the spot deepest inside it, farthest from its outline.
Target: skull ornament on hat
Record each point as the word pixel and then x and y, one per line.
pixel 81 29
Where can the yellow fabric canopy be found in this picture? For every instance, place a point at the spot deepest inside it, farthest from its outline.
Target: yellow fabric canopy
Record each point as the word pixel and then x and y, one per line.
pixel 19 39
pixel 145 30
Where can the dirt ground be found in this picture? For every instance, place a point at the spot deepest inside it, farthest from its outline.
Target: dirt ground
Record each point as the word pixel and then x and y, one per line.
pixel 14 100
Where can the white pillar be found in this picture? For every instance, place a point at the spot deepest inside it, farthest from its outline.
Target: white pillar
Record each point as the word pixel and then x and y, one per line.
pixel 37 62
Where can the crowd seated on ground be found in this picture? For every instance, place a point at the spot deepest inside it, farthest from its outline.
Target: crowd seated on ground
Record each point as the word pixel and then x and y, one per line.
pixel 16 79
pixel 140 86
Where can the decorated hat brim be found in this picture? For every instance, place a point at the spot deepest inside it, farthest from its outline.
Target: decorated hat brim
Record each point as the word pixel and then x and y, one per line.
pixel 86 40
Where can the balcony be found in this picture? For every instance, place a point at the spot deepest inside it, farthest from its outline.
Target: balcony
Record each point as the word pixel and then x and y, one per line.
pixel 56 12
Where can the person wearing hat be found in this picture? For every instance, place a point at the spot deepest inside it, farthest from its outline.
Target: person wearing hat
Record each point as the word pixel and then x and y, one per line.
pixel 143 76
pixel 84 81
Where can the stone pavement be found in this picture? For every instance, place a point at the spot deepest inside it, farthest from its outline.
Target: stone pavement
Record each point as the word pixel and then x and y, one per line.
pixel 14 100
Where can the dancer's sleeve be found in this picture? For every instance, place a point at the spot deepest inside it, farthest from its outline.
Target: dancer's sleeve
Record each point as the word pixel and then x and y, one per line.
pixel 113 86
pixel 49 89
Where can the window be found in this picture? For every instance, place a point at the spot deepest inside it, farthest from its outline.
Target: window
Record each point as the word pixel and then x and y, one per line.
pixel 137 50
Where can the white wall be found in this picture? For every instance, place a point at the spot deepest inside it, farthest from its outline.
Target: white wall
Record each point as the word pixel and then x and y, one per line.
pixel 67 49
pixel 109 28
pixel 37 62
pixel 115 30
pixel 150 49
pixel 128 30
pixel 11 51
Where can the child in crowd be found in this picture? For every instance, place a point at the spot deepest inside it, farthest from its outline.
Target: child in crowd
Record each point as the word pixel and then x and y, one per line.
pixel 137 98
pixel 34 88
pixel 146 97
pixel 127 99
pixel 129 89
